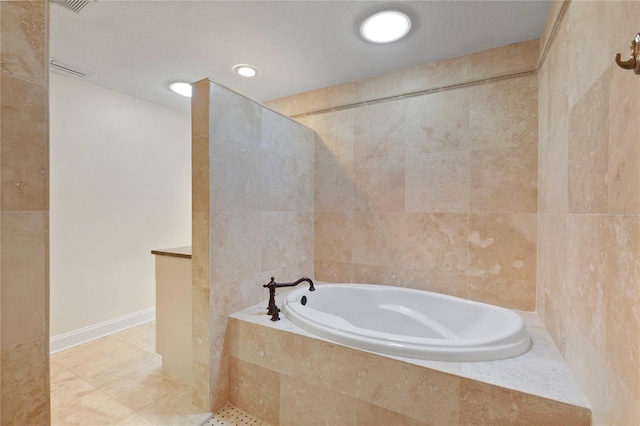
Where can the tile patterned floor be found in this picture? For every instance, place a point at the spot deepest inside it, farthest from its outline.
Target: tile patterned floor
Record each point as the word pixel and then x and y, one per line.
pixel 118 380
pixel 233 416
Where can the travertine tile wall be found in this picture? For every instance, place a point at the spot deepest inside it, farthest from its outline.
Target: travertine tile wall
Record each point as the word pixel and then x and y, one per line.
pixel 437 192
pixel 288 379
pixel 24 219
pixel 589 202
pixel 253 204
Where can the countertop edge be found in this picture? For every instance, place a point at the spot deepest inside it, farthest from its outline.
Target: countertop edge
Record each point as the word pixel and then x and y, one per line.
pixel 183 252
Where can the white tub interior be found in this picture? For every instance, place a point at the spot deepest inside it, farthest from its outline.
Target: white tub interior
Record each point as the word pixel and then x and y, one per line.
pixel 407 322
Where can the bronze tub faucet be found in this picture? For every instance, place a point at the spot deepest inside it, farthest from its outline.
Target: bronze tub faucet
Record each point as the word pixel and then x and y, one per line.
pixel 272 308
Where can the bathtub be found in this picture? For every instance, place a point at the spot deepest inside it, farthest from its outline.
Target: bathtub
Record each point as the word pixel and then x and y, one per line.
pixel 406 322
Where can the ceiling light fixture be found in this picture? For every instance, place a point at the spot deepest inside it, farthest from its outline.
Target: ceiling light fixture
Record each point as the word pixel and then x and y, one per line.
pixel 246 70
pixel 385 27
pixel 181 88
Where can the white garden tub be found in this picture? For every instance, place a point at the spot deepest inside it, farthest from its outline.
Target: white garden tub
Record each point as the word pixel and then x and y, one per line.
pixel 407 322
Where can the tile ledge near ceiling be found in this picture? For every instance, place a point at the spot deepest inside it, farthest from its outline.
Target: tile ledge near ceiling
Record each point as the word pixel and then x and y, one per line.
pixel 541 371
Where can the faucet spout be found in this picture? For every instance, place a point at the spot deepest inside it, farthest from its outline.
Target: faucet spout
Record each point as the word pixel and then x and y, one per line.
pixel 272 308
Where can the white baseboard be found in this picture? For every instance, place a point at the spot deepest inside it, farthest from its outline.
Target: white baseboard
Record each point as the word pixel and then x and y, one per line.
pixel 96 331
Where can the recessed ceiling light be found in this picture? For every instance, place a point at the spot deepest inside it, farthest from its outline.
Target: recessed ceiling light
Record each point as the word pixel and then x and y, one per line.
pixel 385 27
pixel 246 70
pixel 181 88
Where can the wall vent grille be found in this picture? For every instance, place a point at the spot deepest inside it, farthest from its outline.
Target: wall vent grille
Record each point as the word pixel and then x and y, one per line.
pixel 62 68
pixel 73 5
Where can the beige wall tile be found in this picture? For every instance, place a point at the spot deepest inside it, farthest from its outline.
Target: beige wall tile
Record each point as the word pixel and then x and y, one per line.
pixel 333 182
pixel 558 82
pixel 374 137
pixel 587 276
pixel 510 59
pixel 588 150
pixel 280 237
pixel 622 406
pixel 260 219
pixel 236 245
pixel 481 405
pixel 200 146
pixel 372 415
pixel 624 151
pixel 503 246
pixel 504 114
pixel 304 403
pixel 236 177
pixel 23 275
pixel 552 257
pixel 333 272
pixel 255 390
pixel 453 284
pixel 379 182
pixel 201 323
pixel 511 294
pixel 256 344
pixel 437 122
pixel 201 391
pixel 335 130
pixel 333 236
pixel 589 370
pixel 557 171
pixel 332 367
pixel 25 383
pixel 504 180
pixel 379 159
pixel 437 182
pixel 437 241
pixel 25 176
pixel 384 275
pixel 220 381
pixel 234 118
pixel 379 238
pixel 24 40
pixel 554 319
pixel 622 288
pixel 417 392
pixel 603 37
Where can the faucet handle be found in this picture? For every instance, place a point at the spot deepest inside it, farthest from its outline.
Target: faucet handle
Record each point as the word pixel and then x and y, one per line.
pixel 271 283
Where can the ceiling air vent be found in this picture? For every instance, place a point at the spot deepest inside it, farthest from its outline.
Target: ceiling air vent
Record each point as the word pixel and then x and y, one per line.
pixel 62 68
pixel 74 5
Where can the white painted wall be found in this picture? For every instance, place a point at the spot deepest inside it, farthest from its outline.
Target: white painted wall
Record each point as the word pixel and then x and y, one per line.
pixel 120 187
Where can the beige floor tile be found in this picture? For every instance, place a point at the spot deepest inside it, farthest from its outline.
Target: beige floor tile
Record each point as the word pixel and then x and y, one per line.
pixel 91 352
pixel 94 408
pixel 142 388
pixel 174 409
pixel 118 380
pixel 66 386
pixel 102 371
pixel 136 420
pixel 142 336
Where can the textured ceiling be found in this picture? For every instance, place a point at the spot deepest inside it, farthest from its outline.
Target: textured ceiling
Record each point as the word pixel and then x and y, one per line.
pixel 139 47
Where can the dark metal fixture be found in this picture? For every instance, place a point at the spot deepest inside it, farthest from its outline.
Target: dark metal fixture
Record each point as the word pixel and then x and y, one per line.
pixel 272 308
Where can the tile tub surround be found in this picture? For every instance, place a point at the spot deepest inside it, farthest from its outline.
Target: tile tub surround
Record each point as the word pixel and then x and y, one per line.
pixel 253 204
pixel 24 215
pixel 282 374
pixel 436 191
pixel 588 286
